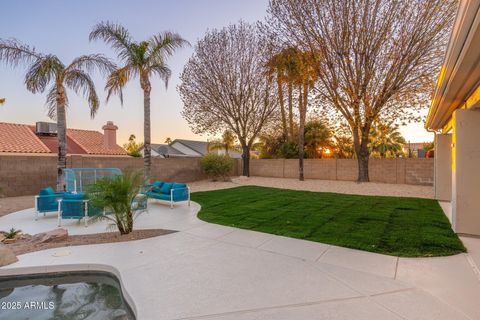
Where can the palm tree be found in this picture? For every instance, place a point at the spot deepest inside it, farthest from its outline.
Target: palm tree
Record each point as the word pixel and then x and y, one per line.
pixel 386 140
pixel 291 68
pixel 344 147
pixel 133 147
pixel 227 142
pixel 168 140
pixel 143 59
pixel 286 68
pixel 46 69
pixel 305 80
pixel 276 67
pixel 318 138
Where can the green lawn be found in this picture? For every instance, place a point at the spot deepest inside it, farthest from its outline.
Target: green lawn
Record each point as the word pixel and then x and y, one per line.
pixel 408 227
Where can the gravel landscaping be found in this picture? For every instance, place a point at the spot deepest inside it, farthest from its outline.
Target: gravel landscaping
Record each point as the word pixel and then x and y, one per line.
pixel 27 243
pixel 348 187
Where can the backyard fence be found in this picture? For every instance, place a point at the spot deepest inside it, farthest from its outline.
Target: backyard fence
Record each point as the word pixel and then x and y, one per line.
pixel 27 174
pixel 397 171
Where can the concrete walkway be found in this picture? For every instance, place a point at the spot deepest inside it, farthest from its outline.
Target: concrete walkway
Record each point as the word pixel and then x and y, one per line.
pixel 208 271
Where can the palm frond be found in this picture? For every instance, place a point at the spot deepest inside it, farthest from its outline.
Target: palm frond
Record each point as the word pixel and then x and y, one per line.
pixel 91 62
pixel 117 80
pixel 162 71
pixel 41 72
pixel 51 103
pixel 115 35
pixel 82 84
pixel 163 45
pixel 13 52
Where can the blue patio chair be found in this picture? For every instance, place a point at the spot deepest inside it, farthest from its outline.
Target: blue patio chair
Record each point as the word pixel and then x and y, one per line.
pixel 76 206
pixel 47 201
pixel 172 192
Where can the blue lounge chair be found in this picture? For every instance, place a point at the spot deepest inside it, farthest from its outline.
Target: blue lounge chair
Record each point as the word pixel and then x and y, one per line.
pixel 166 191
pixel 75 206
pixel 47 201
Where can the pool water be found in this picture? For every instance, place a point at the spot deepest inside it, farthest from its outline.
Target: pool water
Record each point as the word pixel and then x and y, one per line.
pixel 63 296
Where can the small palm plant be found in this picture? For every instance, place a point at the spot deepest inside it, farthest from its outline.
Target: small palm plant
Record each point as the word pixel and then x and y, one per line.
pixel 11 234
pixel 117 195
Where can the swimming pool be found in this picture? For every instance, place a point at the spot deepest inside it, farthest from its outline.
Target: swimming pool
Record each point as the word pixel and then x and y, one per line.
pixel 63 296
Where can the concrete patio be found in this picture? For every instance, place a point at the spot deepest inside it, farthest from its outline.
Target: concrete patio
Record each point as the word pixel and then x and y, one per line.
pixel 208 271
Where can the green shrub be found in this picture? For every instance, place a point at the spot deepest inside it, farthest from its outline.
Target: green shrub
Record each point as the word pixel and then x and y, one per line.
pixel 217 167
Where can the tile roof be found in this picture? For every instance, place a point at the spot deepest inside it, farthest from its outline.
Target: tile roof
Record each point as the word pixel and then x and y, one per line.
pixel 21 138
pixel 92 142
pixel 52 143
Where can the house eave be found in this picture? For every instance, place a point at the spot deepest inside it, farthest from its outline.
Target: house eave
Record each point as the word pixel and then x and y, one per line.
pixel 459 76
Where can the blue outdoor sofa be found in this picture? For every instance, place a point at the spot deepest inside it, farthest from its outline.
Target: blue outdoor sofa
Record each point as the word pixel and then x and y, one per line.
pixel 167 191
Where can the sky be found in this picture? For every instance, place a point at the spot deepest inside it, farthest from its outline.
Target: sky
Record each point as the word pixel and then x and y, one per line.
pixel 61 27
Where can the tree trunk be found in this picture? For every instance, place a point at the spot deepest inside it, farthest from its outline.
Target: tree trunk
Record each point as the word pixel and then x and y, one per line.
pixel 147 149
pixel 301 130
pixel 129 223
pixel 62 138
pixel 361 150
pixel 290 109
pixel 362 159
pixel 282 106
pixel 246 160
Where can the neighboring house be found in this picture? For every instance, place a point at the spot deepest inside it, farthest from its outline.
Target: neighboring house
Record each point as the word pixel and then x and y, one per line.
pixel 165 151
pixel 416 148
pixel 454 116
pixel 186 148
pixel 42 139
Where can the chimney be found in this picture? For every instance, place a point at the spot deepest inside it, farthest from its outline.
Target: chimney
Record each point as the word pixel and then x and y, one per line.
pixel 110 135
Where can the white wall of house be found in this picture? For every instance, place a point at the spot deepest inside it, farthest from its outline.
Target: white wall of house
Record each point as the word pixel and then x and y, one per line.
pixel 465 172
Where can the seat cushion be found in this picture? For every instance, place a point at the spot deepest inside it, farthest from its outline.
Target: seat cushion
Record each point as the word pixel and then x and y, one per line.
pixel 158 184
pixel 74 196
pixel 166 188
pixel 157 189
pixel 47 192
pixel 179 185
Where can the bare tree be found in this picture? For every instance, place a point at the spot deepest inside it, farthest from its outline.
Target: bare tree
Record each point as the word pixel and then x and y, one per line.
pixel 375 59
pixel 225 86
